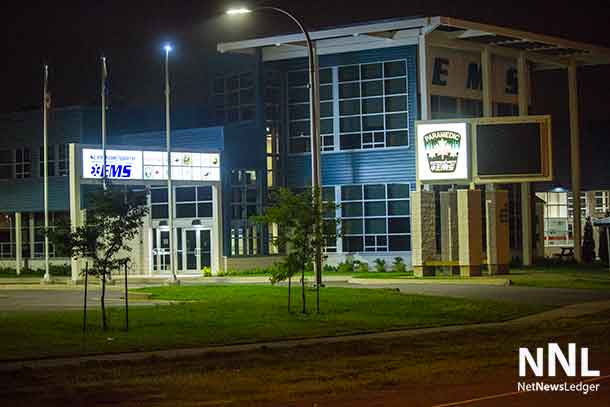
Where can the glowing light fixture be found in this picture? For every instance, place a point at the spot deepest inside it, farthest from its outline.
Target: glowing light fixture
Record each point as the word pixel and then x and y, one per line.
pixel 168 48
pixel 238 10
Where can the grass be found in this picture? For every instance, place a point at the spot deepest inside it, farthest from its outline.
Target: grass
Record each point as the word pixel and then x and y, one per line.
pixel 216 315
pixel 563 276
pixel 421 370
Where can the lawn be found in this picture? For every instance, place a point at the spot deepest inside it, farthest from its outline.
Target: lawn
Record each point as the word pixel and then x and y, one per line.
pixel 215 315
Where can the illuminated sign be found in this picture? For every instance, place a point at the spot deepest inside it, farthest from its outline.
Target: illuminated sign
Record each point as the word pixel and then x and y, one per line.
pixel 442 151
pixel 151 165
pixel 120 164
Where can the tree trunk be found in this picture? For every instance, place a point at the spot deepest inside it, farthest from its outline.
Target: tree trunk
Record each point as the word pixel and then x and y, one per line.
pixel 289 292
pixel 104 325
pixel 304 309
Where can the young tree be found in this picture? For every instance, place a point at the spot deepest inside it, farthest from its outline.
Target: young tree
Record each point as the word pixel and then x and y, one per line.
pixel 304 226
pixel 113 219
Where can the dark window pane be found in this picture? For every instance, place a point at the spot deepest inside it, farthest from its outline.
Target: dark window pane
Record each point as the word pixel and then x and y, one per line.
pixel 374 208
pixel 374 191
pixel 396 191
pixel 372 105
pixel 352 226
pixel 394 86
pixel 326 126
pixel 296 95
pixel 350 141
pixel 351 209
pixel 372 88
pixel 370 71
pixel 350 124
pixel 398 138
pixel 398 208
pixel 159 212
pixel 6 157
pixel 396 103
pixel 185 194
pixel 251 195
pixel 236 195
pixel 297 78
pixel 351 193
pixel 236 212
pixel 204 210
pixel 352 244
pixel 399 225
pixel 396 121
pixel 204 193
pixel 326 109
pixel 326 75
pixel 395 68
pixel 186 210
pixel 375 226
pixel 349 107
pixel 247 113
pixel 349 90
pixel 158 195
pixel 349 73
pixel 300 145
pixel 300 128
pixel 5 172
pixel 328 194
pixel 300 111
pixel 400 243
pixel 326 92
pixel 372 122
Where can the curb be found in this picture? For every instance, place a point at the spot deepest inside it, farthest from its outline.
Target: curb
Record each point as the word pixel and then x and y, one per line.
pixel 415 281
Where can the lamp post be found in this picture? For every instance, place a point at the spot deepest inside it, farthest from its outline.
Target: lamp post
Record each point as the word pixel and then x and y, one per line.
pixel 170 196
pixel 314 109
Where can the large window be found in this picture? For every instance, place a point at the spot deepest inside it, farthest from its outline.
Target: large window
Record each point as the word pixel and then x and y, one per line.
pixel 23 163
pixel 373 105
pixel 57 156
pixel 246 201
pixel 375 218
pixel 299 110
pixel 273 98
pixel 7 245
pixel 234 98
pixel 6 164
pixel 194 202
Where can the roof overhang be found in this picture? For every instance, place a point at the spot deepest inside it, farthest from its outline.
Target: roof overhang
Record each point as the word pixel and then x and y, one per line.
pixel 542 50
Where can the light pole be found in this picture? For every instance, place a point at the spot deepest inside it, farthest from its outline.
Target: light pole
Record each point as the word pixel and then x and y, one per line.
pixel 314 109
pixel 170 196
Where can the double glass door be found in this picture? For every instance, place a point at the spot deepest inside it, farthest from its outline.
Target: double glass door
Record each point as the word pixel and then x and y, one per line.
pixel 193 250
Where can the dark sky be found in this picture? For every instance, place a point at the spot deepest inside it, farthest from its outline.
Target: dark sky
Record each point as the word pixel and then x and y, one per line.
pixel 71 35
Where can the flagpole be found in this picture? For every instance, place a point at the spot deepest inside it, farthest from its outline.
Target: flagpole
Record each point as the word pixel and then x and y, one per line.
pixel 103 88
pixel 45 102
pixel 170 199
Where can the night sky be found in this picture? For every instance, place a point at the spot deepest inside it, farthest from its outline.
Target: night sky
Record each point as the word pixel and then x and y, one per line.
pixel 71 36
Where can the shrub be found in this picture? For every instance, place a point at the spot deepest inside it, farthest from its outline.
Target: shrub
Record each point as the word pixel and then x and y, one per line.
pixel 345 267
pixel 206 271
pixel 380 266
pixel 329 269
pixel 399 265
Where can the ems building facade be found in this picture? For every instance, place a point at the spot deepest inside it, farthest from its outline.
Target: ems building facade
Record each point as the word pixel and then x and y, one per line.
pixel 376 80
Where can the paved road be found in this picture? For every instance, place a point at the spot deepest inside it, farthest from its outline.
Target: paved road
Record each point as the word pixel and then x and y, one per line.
pixel 61 297
pixel 528 295
pixel 56 298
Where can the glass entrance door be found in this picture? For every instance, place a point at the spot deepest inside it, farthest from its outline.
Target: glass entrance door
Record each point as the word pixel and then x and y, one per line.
pixel 160 250
pixel 196 250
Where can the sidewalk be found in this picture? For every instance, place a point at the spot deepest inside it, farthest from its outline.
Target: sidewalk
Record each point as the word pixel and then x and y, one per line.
pixel 570 311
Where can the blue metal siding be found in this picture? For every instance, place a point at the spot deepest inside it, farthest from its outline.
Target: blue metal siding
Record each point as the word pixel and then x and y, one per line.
pixel 361 166
pixel 201 139
pixel 27 195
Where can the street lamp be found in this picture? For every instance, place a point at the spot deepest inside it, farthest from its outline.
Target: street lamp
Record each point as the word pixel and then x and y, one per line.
pixel 170 200
pixel 314 108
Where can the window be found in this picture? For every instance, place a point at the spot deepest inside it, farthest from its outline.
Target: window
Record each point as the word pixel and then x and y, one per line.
pixel 7 238
pixel 443 107
pixel 375 218
pixel 373 109
pixel 194 202
pixel 234 98
pixel 246 201
pixel 23 163
pixel 299 111
pixel 558 224
pixel 159 205
pixel 6 164
pixel 57 156
pixel 273 98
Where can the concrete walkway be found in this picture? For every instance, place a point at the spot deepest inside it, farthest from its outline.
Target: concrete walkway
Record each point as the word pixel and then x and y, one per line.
pixel 570 311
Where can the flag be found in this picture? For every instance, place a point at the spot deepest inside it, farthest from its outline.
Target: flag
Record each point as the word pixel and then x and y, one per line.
pixel 46 93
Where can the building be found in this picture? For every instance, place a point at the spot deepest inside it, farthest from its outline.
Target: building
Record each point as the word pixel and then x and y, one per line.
pixel 376 79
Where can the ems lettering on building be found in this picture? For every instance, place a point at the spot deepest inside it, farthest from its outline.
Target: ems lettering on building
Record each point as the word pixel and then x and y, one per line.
pixel 252 134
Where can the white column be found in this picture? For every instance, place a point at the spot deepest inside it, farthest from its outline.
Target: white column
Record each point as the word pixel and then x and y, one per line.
pixel 575 157
pixel 18 243
pixel 470 232
pixel 526 189
pixel 217 233
pixel 424 92
pixel 75 210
